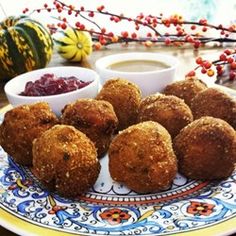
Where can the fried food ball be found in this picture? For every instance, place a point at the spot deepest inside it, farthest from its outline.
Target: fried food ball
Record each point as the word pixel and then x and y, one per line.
pixel 216 103
pixel 21 125
pixel 206 149
pixel 185 89
pixel 142 158
pixel 65 160
pixel 125 98
pixel 95 118
pixel 170 111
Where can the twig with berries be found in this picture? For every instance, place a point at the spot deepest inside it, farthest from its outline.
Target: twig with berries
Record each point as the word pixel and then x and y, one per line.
pixel 157 28
pixel 225 66
pixel 149 30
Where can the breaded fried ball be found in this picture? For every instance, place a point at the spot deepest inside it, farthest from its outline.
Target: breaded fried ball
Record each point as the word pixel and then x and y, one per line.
pixel 206 149
pixel 125 98
pixel 216 103
pixel 21 125
pixel 185 89
pixel 95 118
pixel 142 158
pixel 65 160
pixel 170 111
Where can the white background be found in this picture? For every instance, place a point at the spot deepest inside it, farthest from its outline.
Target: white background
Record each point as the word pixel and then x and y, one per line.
pixel 222 11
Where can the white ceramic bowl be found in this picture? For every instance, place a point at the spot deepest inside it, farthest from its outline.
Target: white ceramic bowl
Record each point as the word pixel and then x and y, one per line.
pixel 149 81
pixel 57 102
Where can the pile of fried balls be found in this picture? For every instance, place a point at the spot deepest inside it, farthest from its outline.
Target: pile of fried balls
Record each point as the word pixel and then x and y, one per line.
pixel 187 128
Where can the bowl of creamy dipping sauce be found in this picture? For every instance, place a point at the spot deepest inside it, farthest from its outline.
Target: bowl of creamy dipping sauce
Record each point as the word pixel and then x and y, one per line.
pixel 150 71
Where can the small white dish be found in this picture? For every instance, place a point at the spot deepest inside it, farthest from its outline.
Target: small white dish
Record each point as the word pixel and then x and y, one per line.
pixel 148 81
pixel 15 86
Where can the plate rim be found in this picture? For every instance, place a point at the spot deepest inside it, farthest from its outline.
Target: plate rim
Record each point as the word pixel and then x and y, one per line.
pixel 25 228
pixel 22 227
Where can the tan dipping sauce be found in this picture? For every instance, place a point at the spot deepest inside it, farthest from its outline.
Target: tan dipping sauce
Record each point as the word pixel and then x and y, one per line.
pixel 138 66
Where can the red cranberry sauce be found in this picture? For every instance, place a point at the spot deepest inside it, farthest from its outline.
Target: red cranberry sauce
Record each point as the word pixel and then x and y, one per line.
pixel 50 84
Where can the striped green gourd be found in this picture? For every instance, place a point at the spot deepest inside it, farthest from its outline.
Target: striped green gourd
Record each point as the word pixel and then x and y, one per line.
pixel 25 45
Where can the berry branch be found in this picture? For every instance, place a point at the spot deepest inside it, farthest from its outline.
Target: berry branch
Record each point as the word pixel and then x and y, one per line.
pixel 226 64
pixel 148 30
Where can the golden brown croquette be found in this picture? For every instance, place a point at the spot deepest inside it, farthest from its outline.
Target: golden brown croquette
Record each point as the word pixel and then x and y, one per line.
pixel 65 159
pixel 142 158
pixel 125 98
pixel 206 149
pixel 216 103
pixel 21 125
pixel 185 89
pixel 95 118
pixel 170 111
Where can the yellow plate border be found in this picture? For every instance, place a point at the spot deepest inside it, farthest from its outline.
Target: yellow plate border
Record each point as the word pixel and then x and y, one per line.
pixel 22 227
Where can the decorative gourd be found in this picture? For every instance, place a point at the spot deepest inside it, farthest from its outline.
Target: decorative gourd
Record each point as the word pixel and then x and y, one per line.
pixel 74 45
pixel 25 45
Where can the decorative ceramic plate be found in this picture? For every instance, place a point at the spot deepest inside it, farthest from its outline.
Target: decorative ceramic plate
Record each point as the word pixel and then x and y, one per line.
pixel 188 207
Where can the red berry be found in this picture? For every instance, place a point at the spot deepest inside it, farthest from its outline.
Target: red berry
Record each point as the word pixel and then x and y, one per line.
pixel 103 41
pixel 199 60
pixel 204 71
pixel 219 68
pixel 103 30
pixel 133 35
pixel 191 73
pixel 100 8
pixel 125 34
pixel 222 32
pixel 110 34
pixel 197 44
pixel 58 5
pixel 203 22
pixel 63 26
pixel 116 19
pixel 207 64
pixel 189 39
pixel 97 46
pixel 223 57
pixel 193 27
pixel 82 27
pixel 233 65
pixel 220 72
pixel 91 14
pixel 232 75
pixel 227 51
pixel 71 7
pixel 167 41
pixel 204 29
pixel 230 59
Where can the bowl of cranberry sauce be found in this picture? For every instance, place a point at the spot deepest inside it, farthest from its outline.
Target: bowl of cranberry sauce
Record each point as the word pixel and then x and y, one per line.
pixel 58 86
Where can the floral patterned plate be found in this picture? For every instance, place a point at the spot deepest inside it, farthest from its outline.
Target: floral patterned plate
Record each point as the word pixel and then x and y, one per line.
pixel 188 207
